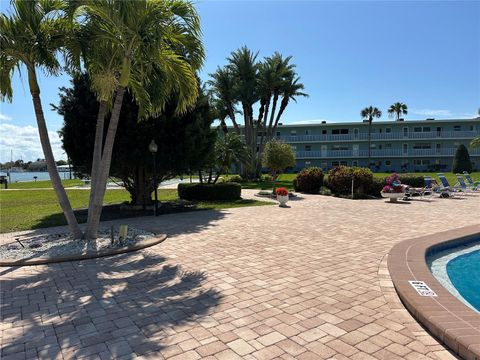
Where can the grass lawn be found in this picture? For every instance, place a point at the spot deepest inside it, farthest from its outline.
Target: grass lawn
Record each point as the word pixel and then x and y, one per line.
pixel 286 180
pixel 43 184
pixel 33 209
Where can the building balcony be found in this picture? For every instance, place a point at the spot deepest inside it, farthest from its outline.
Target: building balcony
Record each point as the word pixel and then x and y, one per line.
pixel 384 153
pixel 381 136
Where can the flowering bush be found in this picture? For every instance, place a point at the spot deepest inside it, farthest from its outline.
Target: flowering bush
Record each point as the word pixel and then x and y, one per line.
pixel 309 180
pixel 281 191
pixel 393 184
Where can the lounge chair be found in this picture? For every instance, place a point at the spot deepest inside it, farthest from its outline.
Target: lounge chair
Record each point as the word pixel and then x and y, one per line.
pixel 474 185
pixel 445 184
pixel 432 187
pixel 461 184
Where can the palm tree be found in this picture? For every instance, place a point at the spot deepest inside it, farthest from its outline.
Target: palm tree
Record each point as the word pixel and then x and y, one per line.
pixel 369 113
pixel 32 37
pixel 475 143
pixel 222 85
pixel 229 149
pixel 149 47
pixel 244 67
pixel 275 71
pixel 398 109
pixel 291 89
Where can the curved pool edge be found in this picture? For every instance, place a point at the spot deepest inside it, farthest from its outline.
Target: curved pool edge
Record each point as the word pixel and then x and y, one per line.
pixel 444 316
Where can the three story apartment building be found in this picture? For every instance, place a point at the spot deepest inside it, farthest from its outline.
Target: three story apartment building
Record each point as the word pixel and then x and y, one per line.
pixel 414 145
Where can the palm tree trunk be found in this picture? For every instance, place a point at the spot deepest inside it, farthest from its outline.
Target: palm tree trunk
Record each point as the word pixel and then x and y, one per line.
pixel 97 156
pixel 272 115
pixel 101 183
pixel 47 151
pixel 283 106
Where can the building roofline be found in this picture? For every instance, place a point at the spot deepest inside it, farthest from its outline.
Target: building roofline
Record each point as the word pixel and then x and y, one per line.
pixel 382 122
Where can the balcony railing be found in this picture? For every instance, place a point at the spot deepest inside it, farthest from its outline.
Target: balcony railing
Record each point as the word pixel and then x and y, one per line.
pixel 380 153
pixel 382 136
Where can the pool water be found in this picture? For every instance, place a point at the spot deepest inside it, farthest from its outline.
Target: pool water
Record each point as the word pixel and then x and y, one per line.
pixel 464 273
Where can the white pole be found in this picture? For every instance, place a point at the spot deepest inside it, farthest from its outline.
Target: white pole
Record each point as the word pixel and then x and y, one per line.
pixel 352 187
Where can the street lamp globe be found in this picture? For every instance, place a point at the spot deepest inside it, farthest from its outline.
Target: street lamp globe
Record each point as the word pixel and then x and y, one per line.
pixel 153 147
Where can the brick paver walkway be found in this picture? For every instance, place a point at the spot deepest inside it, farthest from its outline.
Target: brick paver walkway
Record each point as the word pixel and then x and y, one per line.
pixel 249 283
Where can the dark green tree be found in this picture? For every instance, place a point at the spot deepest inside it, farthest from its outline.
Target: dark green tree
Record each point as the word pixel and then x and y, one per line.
pixel 462 161
pixel 185 142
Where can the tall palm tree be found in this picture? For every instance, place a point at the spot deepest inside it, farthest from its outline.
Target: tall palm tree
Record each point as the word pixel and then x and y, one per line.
pixel 244 66
pixel 277 70
pixel 222 85
pixel 32 37
pixel 149 47
pixel 369 113
pixel 398 109
pixel 291 89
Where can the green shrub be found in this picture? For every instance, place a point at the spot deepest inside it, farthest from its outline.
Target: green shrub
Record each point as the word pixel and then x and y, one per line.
pixel 309 180
pixel 377 186
pixel 267 178
pixel 340 180
pixel 412 180
pixel 235 178
pixel 223 191
pixel 462 161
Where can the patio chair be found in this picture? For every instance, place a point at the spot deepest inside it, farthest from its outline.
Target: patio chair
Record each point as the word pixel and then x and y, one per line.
pixel 445 184
pixel 431 184
pixel 461 184
pixel 475 185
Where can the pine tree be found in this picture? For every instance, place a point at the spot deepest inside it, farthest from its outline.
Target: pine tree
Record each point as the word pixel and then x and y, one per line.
pixel 462 161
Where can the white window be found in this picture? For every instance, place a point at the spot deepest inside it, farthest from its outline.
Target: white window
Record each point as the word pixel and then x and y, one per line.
pixel 307 163
pixel 339 147
pixel 293 132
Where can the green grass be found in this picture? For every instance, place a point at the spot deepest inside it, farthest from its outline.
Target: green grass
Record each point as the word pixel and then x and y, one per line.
pixel 33 209
pixel 286 180
pixel 43 184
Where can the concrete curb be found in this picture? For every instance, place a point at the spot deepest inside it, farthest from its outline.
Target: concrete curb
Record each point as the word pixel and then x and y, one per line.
pixel 87 255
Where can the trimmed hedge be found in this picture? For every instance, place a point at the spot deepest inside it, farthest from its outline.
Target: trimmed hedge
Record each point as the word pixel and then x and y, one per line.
pixel 340 181
pixel 222 191
pixel 309 180
pixel 412 180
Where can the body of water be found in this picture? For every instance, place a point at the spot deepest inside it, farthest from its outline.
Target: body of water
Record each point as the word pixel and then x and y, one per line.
pixel 464 272
pixel 458 270
pixel 29 176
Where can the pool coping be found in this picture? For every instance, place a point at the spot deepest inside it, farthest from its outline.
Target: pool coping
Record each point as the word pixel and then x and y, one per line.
pixel 446 317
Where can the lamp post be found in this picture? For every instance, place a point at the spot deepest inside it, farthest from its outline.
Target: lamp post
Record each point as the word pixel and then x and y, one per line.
pixel 153 149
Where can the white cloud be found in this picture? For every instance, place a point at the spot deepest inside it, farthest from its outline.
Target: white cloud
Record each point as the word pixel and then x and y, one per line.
pixel 431 112
pixel 24 143
pixel 4 117
pixel 443 113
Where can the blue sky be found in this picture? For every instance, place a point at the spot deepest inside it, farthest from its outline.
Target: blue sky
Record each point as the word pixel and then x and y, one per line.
pixel 348 54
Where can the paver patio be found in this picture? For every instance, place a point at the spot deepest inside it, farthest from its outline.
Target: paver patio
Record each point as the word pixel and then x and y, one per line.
pixel 248 283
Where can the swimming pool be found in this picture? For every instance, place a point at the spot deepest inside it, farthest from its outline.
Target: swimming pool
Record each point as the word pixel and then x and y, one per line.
pixel 458 270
